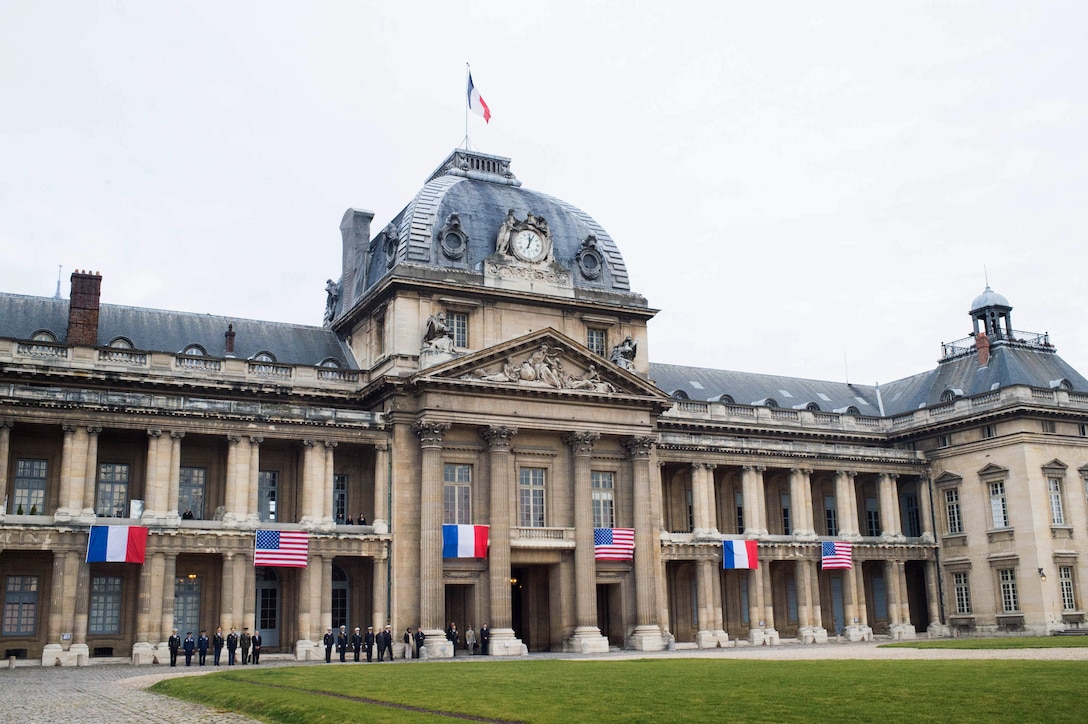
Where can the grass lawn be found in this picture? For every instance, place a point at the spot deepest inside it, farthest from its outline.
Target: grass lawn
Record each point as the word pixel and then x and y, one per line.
pixel 651 690
pixel 1026 642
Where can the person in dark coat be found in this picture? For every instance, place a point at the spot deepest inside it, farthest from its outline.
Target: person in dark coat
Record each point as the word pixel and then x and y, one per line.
pixel 244 642
pixel 217 644
pixel 202 645
pixel 409 643
pixel 368 643
pixel 357 644
pixel 232 644
pixel 452 636
pixel 485 639
pixel 173 643
pixel 385 643
pixel 329 640
pixel 190 646
pixel 342 643
pixel 420 638
pixel 256 642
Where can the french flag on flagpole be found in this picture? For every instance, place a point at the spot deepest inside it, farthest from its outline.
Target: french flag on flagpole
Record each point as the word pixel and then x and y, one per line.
pixel 116 544
pixel 476 103
pixel 464 541
pixel 740 554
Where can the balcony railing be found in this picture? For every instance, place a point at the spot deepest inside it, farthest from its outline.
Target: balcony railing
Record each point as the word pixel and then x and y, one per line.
pixel 43 349
pixel 523 537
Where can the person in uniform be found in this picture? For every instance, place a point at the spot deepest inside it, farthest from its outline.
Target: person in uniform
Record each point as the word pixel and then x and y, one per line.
pixel 232 645
pixel 202 645
pixel 368 643
pixel 174 643
pixel 190 646
pixel 328 641
pixel 357 644
pixel 485 638
pixel 217 644
pixel 244 642
pixel 342 643
pixel 385 643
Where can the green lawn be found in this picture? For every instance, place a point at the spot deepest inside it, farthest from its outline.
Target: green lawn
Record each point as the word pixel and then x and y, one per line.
pixel 651 690
pixel 1025 642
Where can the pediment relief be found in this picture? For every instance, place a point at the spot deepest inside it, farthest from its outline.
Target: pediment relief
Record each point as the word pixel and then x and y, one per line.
pixel 947 478
pixel 545 361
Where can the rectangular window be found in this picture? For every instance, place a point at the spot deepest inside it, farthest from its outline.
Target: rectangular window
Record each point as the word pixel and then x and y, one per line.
pixel 989 431
pixel 691 510
pixel 1057 513
pixel 912 516
pixel 962 587
pixel 744 599
pixel 267 488
pixel 739 498
pixel 105 614
pixel 30 477
pixel 112 490
pixel 457 494
pixel 596 340
pixel 1083 430
pixel 20 605
pixel 872 517
pixel 458 324
pixel 340 499
pixel 531 497
pixel 1069 595
pixel 831 520
pixel 880 597
pixel 379 335
pixel 785 499
pixel 1049 426
pixel 191 493
pixel 944 440
pixel 1010 599
pixel 604 503
pixel 952 510
pixel 998 506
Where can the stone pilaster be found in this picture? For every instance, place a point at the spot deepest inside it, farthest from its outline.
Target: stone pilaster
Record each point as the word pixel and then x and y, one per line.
pixel 313 470
pixel 226 593
pixel 323 506
pixel 252 509
pixel 68 462
pixel 172 475
pixel 845 508
pixel 431 588
pixel 142 651
pixel 901 627
pixel 647 635
pixel 381 489
pixel 379 596
pixel 503 642
pixel 169 587
pixel 587 635
pixel 755 519
pixel 82 604
pixel 90 475
pixel 53 653
pixel 800 503
pixel 156 493
pixel 937 628
pixel 925 512
pixel 305 644
pixel 237 475
pixel 5 454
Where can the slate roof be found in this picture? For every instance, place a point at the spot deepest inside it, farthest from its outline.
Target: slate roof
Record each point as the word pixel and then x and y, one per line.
pixel 157 330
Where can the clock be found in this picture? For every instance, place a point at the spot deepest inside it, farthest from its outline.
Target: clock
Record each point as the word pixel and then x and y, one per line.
pixel 529 245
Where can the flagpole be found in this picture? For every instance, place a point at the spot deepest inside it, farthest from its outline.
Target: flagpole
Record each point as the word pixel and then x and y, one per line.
pixel 468 74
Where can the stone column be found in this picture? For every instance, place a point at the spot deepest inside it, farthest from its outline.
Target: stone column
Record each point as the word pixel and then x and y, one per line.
pixel 937 627
pixel 68 462
pixel 142 651
pixel 587 635
pixel 431 588
pixel 252 509
pixel 857 628
pixel 925 511
pixel 804 600
pixel 381 489
pixel 305 643
pixel 903 628
pixel 818 630
pixel 704 636
pixel 755 607
pixel 755 521
pixel 169 587
pixel 379 594
pixel 173 478
pixel 500 469
pixel 318 621
pixel 248 587
pixel 889 510
pixel 156 494
pixel 237 455
pixel 844 506
pixel 323 506
pixel 716 607
pixel 699 500
pixel 891 588
pixel 226 593
pixel 647 635
pixel 90 475
pixel 770 633
pixel 800 503
pixel 312 472
pixel 325 595
pixel 83 602
pixel 155 633
pixel 5 453
pixel 53 653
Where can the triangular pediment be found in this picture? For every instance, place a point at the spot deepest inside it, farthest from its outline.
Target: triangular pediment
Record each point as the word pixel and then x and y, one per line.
pixel 947 478
pixel 545 360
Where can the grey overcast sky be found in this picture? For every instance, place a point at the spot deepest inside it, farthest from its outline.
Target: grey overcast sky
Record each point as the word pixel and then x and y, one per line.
pixel 808 189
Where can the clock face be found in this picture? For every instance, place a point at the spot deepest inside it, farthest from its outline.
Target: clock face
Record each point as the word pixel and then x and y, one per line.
pixel 528 245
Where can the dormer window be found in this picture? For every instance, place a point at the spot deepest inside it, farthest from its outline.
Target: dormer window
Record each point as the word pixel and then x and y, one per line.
pixel 120 343
pixel 263 357
pixel 679 395
pixel 331 363
pixel 44 335
pixel 951 394
pixel 194 350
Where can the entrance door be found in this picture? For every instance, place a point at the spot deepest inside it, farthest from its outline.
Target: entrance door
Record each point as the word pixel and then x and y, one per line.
pixel 838 616
pixel 459 610
pixel 529 598
pixel 268 607
pixel 610 613
pixel 187 606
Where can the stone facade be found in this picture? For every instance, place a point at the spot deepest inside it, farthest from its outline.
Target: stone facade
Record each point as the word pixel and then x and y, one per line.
pixel 442 392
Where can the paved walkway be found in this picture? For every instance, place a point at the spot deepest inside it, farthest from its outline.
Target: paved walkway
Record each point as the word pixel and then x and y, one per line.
pixel 115 692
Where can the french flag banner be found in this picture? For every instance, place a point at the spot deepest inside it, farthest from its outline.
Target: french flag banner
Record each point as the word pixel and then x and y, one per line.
pixel 476 103
pixel 740 554
pixel 116 544
pixel 464 541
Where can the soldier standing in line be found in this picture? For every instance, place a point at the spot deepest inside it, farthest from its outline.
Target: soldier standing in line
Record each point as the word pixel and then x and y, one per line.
pixel 356 644
pixel 174 643
pixel 368 643
pixel 342 643
pixel 244 642
pixel 202 645
pixel 329 640
pixel 232 644
pixel 190 647
pixel 217 644
pixel 256 647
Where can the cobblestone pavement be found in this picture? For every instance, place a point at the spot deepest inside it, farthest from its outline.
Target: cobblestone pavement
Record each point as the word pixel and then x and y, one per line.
pixel 115 692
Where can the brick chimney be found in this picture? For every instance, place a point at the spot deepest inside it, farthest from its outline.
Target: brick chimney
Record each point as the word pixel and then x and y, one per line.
pixel 228 342
pixel 83 308
pixel 982 346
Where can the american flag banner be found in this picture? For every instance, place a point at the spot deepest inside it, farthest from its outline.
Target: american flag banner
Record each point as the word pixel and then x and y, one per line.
pixel 614 544
pixel 287 548
pixel 836 554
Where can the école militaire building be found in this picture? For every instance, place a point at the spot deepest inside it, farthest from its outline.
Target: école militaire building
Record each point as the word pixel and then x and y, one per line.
pixel 484 361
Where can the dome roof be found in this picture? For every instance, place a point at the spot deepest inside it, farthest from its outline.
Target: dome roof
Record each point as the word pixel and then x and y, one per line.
pixel 454 221
pixel 989 298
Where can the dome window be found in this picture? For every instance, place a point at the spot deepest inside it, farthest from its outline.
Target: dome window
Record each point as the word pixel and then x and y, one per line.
pixel 951 394
pixel 723 399
pixel 452 238
pixel 589 259
pixel 766 402
pixel 679 395
pixel 1062 384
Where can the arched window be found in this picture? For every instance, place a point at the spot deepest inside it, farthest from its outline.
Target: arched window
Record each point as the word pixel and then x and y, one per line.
pixel 121 343
pixel 44 335
pixel 950 394
pixel 812 407
pixel 263 357
pixel 724 399
pixel 194 350
pixel 679 395
pixel 331 363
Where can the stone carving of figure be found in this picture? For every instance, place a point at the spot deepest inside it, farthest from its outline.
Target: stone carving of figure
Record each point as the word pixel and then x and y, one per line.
pixel 502 242
pixel 437 336
pixel 623 354
pixel 508 373
pixel 333 290
pixel 591 380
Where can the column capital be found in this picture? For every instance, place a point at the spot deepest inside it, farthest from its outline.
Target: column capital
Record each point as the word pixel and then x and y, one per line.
pixel 7 424
pixel 309 443
pixel 498 437
pixel 581 442
pixel 69 428
pixel 381 446
pixel 847 473
pixel 330 444
pixel 641 446
pixel 754 468
pixel 430 433
pixel 94 430
pixel 802 470
pixel 255 439
pixel 177 434
pixel 154 432
pixel 233 438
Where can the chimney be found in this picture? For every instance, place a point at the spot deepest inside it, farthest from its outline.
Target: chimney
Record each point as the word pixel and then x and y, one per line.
pixel 982 346
pixel 355 230
pixel 83 308
pixel 228 344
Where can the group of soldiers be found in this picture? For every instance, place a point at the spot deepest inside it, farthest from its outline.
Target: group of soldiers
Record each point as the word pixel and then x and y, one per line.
pixel 250 645
pixel 359 642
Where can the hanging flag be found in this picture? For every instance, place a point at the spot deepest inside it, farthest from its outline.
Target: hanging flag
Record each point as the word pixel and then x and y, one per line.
pixel 476 103
pixel 464 541
pixel 613 544
pixel 836 554
pixel 116 544
pixel 286 548
pixel 740 554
